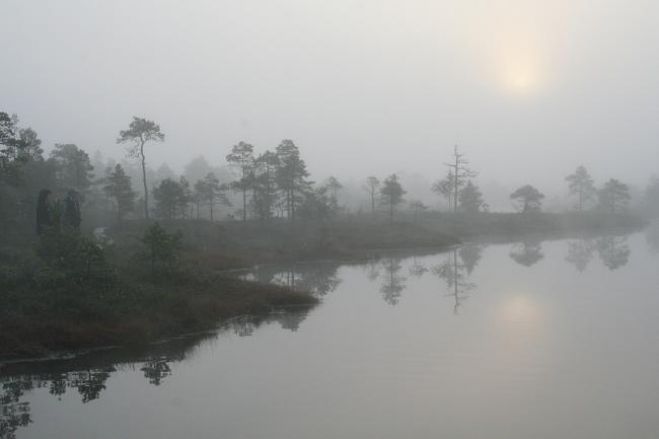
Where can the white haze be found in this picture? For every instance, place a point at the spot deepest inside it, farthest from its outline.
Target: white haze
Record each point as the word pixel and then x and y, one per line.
pixel 529 89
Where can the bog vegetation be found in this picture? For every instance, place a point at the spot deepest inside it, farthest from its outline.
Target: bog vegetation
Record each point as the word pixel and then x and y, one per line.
pixel 93 251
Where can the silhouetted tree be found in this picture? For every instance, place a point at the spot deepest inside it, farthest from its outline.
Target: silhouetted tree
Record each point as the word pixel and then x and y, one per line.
pixel 161 249
pixel 529 199
pixel 581 184
pixel 211 191
pixel 459 170
pixel 471 198
pixel 170 197
pixel 333 186
pixel 139 133
pixel 12 148
pixel 317 204
pixel 291 176
pixel 118 187
pixel 372 185
pixel 391 194
pixel 445 189
pixel 614 196
pixel 417 207
pixel 45 214
pixel 74 169
pixel 265 184
pixel 71 217
pixel 242 158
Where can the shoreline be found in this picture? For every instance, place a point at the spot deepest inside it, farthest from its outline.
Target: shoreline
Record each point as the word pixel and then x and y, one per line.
pixel 210 295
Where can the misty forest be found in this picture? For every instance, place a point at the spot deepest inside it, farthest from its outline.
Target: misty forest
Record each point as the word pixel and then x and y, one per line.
pixel 459 245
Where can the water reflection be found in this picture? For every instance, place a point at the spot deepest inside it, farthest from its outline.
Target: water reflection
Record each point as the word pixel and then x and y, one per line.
pixel 652 237
pixel 580 252
pixel 88 375
pixel 470 254
pixel 455 272
pixel 613 251
pixel 317 278
pixel 417 269
pixel 527 253
pixel 15 413
pixel 393 282
pixel 86 379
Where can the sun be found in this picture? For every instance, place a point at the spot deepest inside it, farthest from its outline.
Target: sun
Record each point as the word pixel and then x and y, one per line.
pixel 520 75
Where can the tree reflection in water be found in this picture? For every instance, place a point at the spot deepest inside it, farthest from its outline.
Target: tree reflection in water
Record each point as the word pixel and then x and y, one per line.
pixel 317 278
pixel 652 237
pixel 527 253
pixel 613 251
pixel 393 282
pixel 14 413
pixel 455 272
pixel 89 374
pixel 417 269
pixel 580 253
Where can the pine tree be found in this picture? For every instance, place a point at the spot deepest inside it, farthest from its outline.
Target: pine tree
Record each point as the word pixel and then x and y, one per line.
pixel 581 184
pixel 291 176
pixel 392 194
pixel 118 187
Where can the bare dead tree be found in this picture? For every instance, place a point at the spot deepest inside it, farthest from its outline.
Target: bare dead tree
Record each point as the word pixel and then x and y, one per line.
pixel 461 173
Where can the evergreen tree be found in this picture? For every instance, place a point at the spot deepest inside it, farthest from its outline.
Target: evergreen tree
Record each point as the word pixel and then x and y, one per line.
pixel 291 176
pixel 444 188
pixel 118 187
pixel 528 198
pixel 169 196
pixel 242 157
pixel 471 198
pixel 265 184
pixel 581 184
pixel 210 191
pixel 459 173
pixel 139 133
pixel 74 169
pixel 614 196
pixel 372 186
pixel 391 194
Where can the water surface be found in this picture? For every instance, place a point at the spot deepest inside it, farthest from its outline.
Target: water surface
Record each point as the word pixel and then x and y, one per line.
pixel 528 340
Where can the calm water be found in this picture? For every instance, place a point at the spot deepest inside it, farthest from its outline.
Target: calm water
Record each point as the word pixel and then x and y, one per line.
pixel 556 339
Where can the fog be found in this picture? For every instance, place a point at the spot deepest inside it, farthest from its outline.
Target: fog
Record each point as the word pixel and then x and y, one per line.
pixel 528 89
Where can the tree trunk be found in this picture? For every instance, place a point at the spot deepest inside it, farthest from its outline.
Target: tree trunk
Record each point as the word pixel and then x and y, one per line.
pixel 211 206
pixel 244 205
pixel 455 185
pixel 146 192
pixel 580 200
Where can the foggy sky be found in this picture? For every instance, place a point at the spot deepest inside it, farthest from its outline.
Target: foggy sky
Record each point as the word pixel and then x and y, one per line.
pixel 529 89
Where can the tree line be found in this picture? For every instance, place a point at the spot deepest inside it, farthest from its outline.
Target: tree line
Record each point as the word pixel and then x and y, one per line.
pixel 271 184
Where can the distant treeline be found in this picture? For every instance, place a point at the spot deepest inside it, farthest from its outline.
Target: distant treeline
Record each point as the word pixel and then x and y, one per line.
pixel 249 186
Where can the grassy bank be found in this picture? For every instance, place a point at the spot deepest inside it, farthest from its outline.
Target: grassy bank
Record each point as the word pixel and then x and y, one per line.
pixel 60 296
pixel 48 309
pixel 229 245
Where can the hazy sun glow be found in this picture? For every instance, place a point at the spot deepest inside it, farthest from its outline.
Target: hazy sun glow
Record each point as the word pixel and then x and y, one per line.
pixel 520 74
pixel 520 310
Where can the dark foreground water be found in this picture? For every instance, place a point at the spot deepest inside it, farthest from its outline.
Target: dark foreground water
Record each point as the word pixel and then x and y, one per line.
pixel 529 340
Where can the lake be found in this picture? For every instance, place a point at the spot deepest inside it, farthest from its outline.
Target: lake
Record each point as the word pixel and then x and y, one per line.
pixel 532 339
